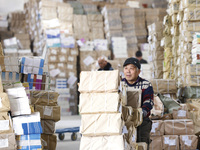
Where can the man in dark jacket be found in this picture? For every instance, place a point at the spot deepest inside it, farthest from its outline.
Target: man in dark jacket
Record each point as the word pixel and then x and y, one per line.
pixel 133 81
pixel 138 55
pixel 104 65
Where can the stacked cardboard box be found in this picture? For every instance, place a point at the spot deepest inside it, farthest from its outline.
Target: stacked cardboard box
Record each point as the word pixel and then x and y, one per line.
pixel 168 134
pixel 93 126
pixel 45 102
pixel 156 52
pixel 95 22
pixel 7 134
pixel 119 47
pixel 112 21
pixel 129 27
pixel 166 42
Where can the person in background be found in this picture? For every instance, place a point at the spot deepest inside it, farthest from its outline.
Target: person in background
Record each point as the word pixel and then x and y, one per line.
pixel 104 64
pixel 138 55
pixel 133 81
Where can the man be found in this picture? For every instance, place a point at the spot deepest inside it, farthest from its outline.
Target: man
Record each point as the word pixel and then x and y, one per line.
pixel 104 65
pixel 133 81
pixel 138 55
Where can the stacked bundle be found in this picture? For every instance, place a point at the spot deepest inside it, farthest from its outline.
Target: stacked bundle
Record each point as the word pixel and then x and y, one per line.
pixel 3 22
pixel 28 131
pixel 46 104
pixel 156 52
pixel 154 15
pixel 34 25
pixel 34 73
pixel 129 17
pixel 81 28
pixel 166 42
pixel 100 123
pixel 90 8
pixel 119 47
pixel 95 22
pixel 6 134
pixel 77 6
pixel 112 21
pixel 9 64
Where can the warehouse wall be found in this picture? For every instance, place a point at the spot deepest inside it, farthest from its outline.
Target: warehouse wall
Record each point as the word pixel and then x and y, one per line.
pixel 7 6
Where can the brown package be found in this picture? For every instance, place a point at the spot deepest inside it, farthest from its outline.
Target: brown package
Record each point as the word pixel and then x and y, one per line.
pixel 179 127
pixel 44 98
pixel 142 146
pixel 5 122
pixel 157 128
pixel 48 112
pixel 158 108
pixel 8 141
pixel 134 98
pixel 180 114
pixel 49 142
pixel 48 126
pixel 99 81
pixel 170 142
pixel 4 102
pixel 101 124
pixel 131 136
pixel 188 142
pixel 164 86
pixel 156 143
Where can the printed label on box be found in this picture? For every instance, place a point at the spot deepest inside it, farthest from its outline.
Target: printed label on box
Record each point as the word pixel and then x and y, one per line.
pixel 48 111
pixel 88 60
pixel 181 113
pixel 4 125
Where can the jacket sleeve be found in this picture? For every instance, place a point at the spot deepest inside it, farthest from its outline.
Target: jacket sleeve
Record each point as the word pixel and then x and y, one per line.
pixel 147 99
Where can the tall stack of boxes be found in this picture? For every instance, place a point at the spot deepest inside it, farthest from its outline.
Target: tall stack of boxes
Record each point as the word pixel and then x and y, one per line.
pixel 156 52
pixel 45 102
pixel 7 135
pixel 129 27
pixel 112 22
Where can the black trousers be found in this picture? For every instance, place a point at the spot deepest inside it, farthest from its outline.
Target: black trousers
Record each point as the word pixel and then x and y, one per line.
pixel 143 131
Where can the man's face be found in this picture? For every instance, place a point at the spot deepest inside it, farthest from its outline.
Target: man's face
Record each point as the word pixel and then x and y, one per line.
pixel 131 73
pixel 102 63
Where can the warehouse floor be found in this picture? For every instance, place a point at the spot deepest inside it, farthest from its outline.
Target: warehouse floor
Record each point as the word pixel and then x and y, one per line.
pixel 67 122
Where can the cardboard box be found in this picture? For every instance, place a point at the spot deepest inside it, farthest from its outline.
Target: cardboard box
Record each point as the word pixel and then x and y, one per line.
pixel 49 112
pixel 131 136
pixel 48 126
pixel 156 143
pixel 180 114
pixel 4 102
pixel 188 142
pixel 44 98
pixel 7 141
pixel 6 124
pixel 101 124
pixel 179 127
pixel 157 128
pixel 49 142
pixel 163 86
pixel 170 142
pixel 99 103
pixel 102 142
pixel 95 81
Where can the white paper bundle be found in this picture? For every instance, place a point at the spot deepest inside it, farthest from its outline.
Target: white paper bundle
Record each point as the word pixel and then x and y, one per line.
pixel 29 124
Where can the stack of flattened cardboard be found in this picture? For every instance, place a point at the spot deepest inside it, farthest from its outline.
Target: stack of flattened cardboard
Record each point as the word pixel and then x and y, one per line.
pixel 156 52
pixel 7 135
pixel 112 21
pixel 45 102
pixel 129 26
pixel 105 122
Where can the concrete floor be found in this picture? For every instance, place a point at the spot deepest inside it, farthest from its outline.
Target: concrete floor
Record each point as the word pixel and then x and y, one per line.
pixel 67 122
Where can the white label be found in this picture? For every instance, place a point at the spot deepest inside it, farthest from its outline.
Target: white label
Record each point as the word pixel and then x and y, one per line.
pixel 3 143
pixel 73 52
pixel 4 125
pixel 64 51
pixel 181 113
pixel 70 58
pixel 72 80
pixel 88 60
pixel 53 58
pixel 188 142
pixel 154 127
pixel 62 58
pixel 0 102
pixel 166 140
pixel 53 51
pixel 172 142
pixel 54 72
pixel 69 66
pixel 47 111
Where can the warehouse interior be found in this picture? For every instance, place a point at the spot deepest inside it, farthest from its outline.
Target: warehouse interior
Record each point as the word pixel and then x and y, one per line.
pixel 64 83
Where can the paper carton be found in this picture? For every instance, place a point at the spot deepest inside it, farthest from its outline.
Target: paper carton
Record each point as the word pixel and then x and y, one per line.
pixel 49 142
pixel 170 142
pixel 156 143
